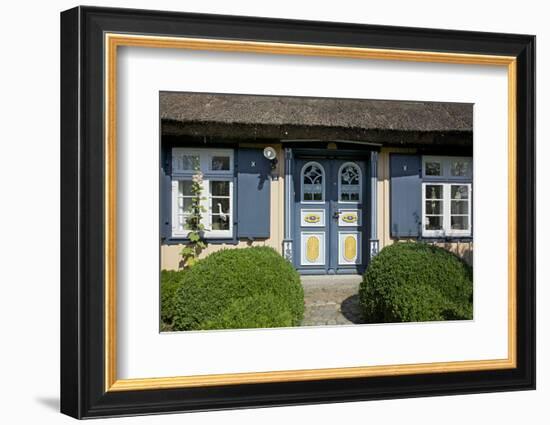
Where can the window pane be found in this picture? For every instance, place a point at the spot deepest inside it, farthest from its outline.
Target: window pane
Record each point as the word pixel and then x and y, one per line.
pixel 183 222
pixel 185 187
pixel 459 192
pixel 459 168
pixel 433 169
pixel 459 222
pixel 318 196
pixel 187 162
pixel 222 203
pixel 434 207
pixel 459 207
pixel 220 163
pixel 354 196
pixel 185 204
pixel 434 191
pixel 434 222
pixel 219 188
pixel 220 222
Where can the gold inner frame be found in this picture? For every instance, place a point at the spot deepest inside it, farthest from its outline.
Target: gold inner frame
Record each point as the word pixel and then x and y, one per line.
pixel 113 41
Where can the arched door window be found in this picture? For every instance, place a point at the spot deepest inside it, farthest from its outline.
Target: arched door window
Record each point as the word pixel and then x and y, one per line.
pixel 313 182
pixel 349 183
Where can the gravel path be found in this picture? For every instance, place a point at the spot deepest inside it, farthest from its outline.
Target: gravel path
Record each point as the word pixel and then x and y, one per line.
pixel 331 300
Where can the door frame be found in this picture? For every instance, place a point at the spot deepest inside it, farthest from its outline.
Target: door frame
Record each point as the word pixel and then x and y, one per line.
pixel 369 241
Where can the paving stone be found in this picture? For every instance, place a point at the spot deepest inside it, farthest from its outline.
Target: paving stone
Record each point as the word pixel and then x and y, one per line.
pixel 331 300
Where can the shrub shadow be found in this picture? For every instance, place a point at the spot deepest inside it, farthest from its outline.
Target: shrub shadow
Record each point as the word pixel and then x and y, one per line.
pixel 351 309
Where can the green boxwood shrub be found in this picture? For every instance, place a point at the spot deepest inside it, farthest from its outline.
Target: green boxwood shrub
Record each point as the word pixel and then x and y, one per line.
pixel 415 282
pixel 239 288
pixel 169 282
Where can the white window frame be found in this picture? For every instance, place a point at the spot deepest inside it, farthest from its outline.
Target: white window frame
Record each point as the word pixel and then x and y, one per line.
pixel 446 162
pixel 447 230
pixel 324 180
pixel 209 233
pixel 205 160
pixel 360 183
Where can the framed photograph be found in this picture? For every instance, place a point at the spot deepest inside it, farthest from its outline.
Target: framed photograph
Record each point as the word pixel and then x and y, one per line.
pixel 261 212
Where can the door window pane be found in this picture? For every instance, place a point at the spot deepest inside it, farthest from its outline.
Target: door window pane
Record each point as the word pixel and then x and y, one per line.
pixel 350 183
pixel 312 182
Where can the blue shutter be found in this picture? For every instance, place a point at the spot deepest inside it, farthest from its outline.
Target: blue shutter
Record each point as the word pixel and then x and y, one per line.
pixel 406 195
pixel 253 194
pixel 165 196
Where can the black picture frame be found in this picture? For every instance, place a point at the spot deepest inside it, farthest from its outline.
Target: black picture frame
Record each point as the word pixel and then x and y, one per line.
pixel 83 392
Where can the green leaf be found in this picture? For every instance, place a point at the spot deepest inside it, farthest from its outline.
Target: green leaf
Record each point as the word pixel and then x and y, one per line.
pixel 194 237
pixel 187 251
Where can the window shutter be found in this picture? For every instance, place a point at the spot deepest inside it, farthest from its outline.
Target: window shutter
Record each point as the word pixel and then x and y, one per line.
pixel 253 194
pixel 165 219
pixel 406 195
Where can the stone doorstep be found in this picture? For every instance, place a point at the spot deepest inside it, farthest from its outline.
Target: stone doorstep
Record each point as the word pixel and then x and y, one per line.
pixel 327 278
pixel 322 303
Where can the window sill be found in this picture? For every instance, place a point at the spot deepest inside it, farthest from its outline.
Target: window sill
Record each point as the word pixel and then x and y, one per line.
pixel 447 238
pixel 181 240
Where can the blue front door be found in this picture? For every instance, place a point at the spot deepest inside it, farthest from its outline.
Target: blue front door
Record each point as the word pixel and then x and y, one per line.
pixel 330 217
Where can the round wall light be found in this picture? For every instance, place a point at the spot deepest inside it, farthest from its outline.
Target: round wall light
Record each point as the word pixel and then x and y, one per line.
pixel 270 153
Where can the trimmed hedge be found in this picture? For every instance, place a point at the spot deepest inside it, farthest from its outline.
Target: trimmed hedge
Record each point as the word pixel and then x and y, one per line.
pixel 416 282
pixel 238 288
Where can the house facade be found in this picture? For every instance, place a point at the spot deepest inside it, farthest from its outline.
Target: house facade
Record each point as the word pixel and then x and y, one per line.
pixel 325 182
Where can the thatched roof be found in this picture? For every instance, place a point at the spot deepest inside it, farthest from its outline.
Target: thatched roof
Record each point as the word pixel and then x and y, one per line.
pixel 282 117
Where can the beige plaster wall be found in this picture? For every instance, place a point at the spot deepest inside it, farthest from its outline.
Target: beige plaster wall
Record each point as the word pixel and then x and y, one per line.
pixel 169 254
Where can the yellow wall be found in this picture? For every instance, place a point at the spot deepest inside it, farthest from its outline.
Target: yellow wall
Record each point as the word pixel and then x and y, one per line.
pixel 170 258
